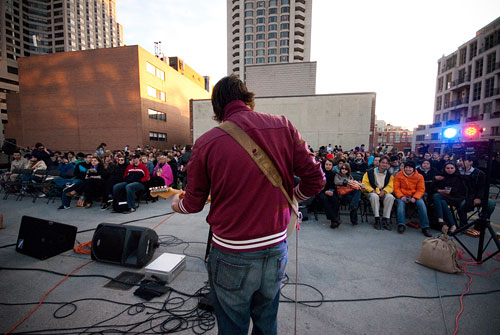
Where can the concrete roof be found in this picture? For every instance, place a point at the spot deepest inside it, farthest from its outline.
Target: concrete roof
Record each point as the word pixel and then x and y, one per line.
pixel 337 266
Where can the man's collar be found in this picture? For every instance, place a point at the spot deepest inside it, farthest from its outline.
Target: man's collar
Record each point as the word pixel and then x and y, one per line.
pixel 378 171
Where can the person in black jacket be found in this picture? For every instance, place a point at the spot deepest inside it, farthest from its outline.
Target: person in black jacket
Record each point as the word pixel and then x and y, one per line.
pixel 115 176
pixel 428 172
pixel 91 187
pixel 475 181
pixel 75 184
pixel 328 196
pixel 358 167
pixel 183 164
pixel 449 189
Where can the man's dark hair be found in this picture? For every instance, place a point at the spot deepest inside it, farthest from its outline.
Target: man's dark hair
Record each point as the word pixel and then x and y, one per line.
pixel 38 145
pixel 229 89
pixel 16 152
pixel 385 158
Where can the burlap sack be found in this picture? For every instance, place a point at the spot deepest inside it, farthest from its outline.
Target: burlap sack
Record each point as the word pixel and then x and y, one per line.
pixel 439 253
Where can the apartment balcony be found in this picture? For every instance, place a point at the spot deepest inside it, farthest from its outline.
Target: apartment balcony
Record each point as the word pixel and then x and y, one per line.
pixel 298 56
pixel 459 102
pixel 236 53
pixel 299 17
pixel 236 23
pixel 235 15
pixel 299 40
pixel 492 93
pixel 236 38
pixel 495 115
pixel 236 61
pixel 300 1
pixel 474 118
pixel 236 31
pixel 236 7
pixel 298 49
pixel 460 82
pixel 300 6
pixel 435 125
pixel 452 122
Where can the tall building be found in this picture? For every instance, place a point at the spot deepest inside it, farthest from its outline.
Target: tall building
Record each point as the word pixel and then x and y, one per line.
pixel 392 136
pixel 35 27
pixel 76 100
pixel 267 32
pixel 467 92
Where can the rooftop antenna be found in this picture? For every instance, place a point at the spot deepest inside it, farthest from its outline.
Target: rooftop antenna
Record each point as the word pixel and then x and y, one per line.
pixel 157 49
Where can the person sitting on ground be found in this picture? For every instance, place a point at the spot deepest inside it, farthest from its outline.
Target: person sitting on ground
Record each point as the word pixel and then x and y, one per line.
pixel 428 172
pixel 43 154
pixel 449 189
pixel 409 188
pixel 475 181
pixel 328 196
pixel 379 185
pixel 344 178
pixel 135 176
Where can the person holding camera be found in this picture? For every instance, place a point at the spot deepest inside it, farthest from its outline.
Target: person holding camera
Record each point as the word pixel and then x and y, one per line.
pixel 409 188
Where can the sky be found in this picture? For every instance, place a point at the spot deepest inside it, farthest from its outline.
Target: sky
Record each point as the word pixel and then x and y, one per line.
pixel 384 46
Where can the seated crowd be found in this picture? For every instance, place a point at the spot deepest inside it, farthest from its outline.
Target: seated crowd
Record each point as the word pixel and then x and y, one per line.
pixel 110 177
pixel 441 188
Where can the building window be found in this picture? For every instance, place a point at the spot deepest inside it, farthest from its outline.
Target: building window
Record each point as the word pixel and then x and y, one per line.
pixel 437 118
pixel 283 59
pixel 273 10
pixel 271 59
pixel 476 94
pixel 248 37
pixel 435 136
pixel 420 138
pixel 448 81
pixel 283 50
pixel 273 27
pixel 157 137
pixel 273 2
pixel 260 52
pixel 285 26
pixel 248 13
pixel 285 18
pixel 249 53
pixel 472 50
pixel 272 44
pixel 248 61
pixel 495 131
pixel 249 45
pixel 248 21
pixel 248 29
pixel 273 19
pixel 489 87
pixel 155 115
pixel 445 117
pixel 248 5
pixel 260 60
pixel 260 36
pixel 261 4
pixel 490 62
pixel 439 100
pixel 474 111
pixel 272 35
pixel 261 12
pixel 284 42
pixel 272 51
pixel 153 92
pixel 440 84
pixel 478 68
pixel 260 45
pixel 285 2
pixel 285 9
pixel 261 28
pixel 284 34
pixel 488 108
pixel 261 20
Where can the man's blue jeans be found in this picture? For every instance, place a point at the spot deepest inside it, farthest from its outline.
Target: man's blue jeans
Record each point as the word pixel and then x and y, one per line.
pixel 422 213
pixel 131 190
pixel 247 285
pixel 442 209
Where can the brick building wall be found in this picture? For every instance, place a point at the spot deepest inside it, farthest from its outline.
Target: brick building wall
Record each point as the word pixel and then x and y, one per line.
pixel 75 101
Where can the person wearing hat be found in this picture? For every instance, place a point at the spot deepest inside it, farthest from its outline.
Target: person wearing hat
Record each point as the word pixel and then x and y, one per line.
pixel 394 168
pixel 135 176
pixel 409 188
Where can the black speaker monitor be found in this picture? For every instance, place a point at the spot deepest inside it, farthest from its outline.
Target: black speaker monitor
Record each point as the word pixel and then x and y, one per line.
pixel 43 239
pixel 124 245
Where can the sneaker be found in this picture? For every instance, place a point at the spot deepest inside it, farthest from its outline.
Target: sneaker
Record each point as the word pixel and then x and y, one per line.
pixel 426 232
pixel 386 225
pixel 377 224
pixel 128 211
pixel 401 228
pixel 42 195
pixel 63 207
pixel 105 205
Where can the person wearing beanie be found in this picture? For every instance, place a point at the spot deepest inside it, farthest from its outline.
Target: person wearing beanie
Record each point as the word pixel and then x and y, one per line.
pixel 409 188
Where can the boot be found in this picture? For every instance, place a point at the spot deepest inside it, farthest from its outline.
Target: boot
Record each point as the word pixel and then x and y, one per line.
pixel 386 224
pixel 334 224
pixel 377 224
pixel 354 216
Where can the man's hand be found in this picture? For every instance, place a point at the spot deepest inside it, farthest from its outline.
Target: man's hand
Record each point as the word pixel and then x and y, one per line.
pixel 381 194
pixel 412 200
pixel 477 202
pixel 329 193
pixel 175 203
pixel 404 199
pixel 439 177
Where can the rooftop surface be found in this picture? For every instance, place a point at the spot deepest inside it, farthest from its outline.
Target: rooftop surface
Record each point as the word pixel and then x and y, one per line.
pixel 353 280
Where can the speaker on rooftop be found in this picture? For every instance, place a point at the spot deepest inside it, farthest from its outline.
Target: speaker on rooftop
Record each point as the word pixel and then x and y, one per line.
pixel 124 245
pixel 43 239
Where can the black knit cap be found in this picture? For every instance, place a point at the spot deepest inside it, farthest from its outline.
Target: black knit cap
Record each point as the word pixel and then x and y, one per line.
pixel 411 164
